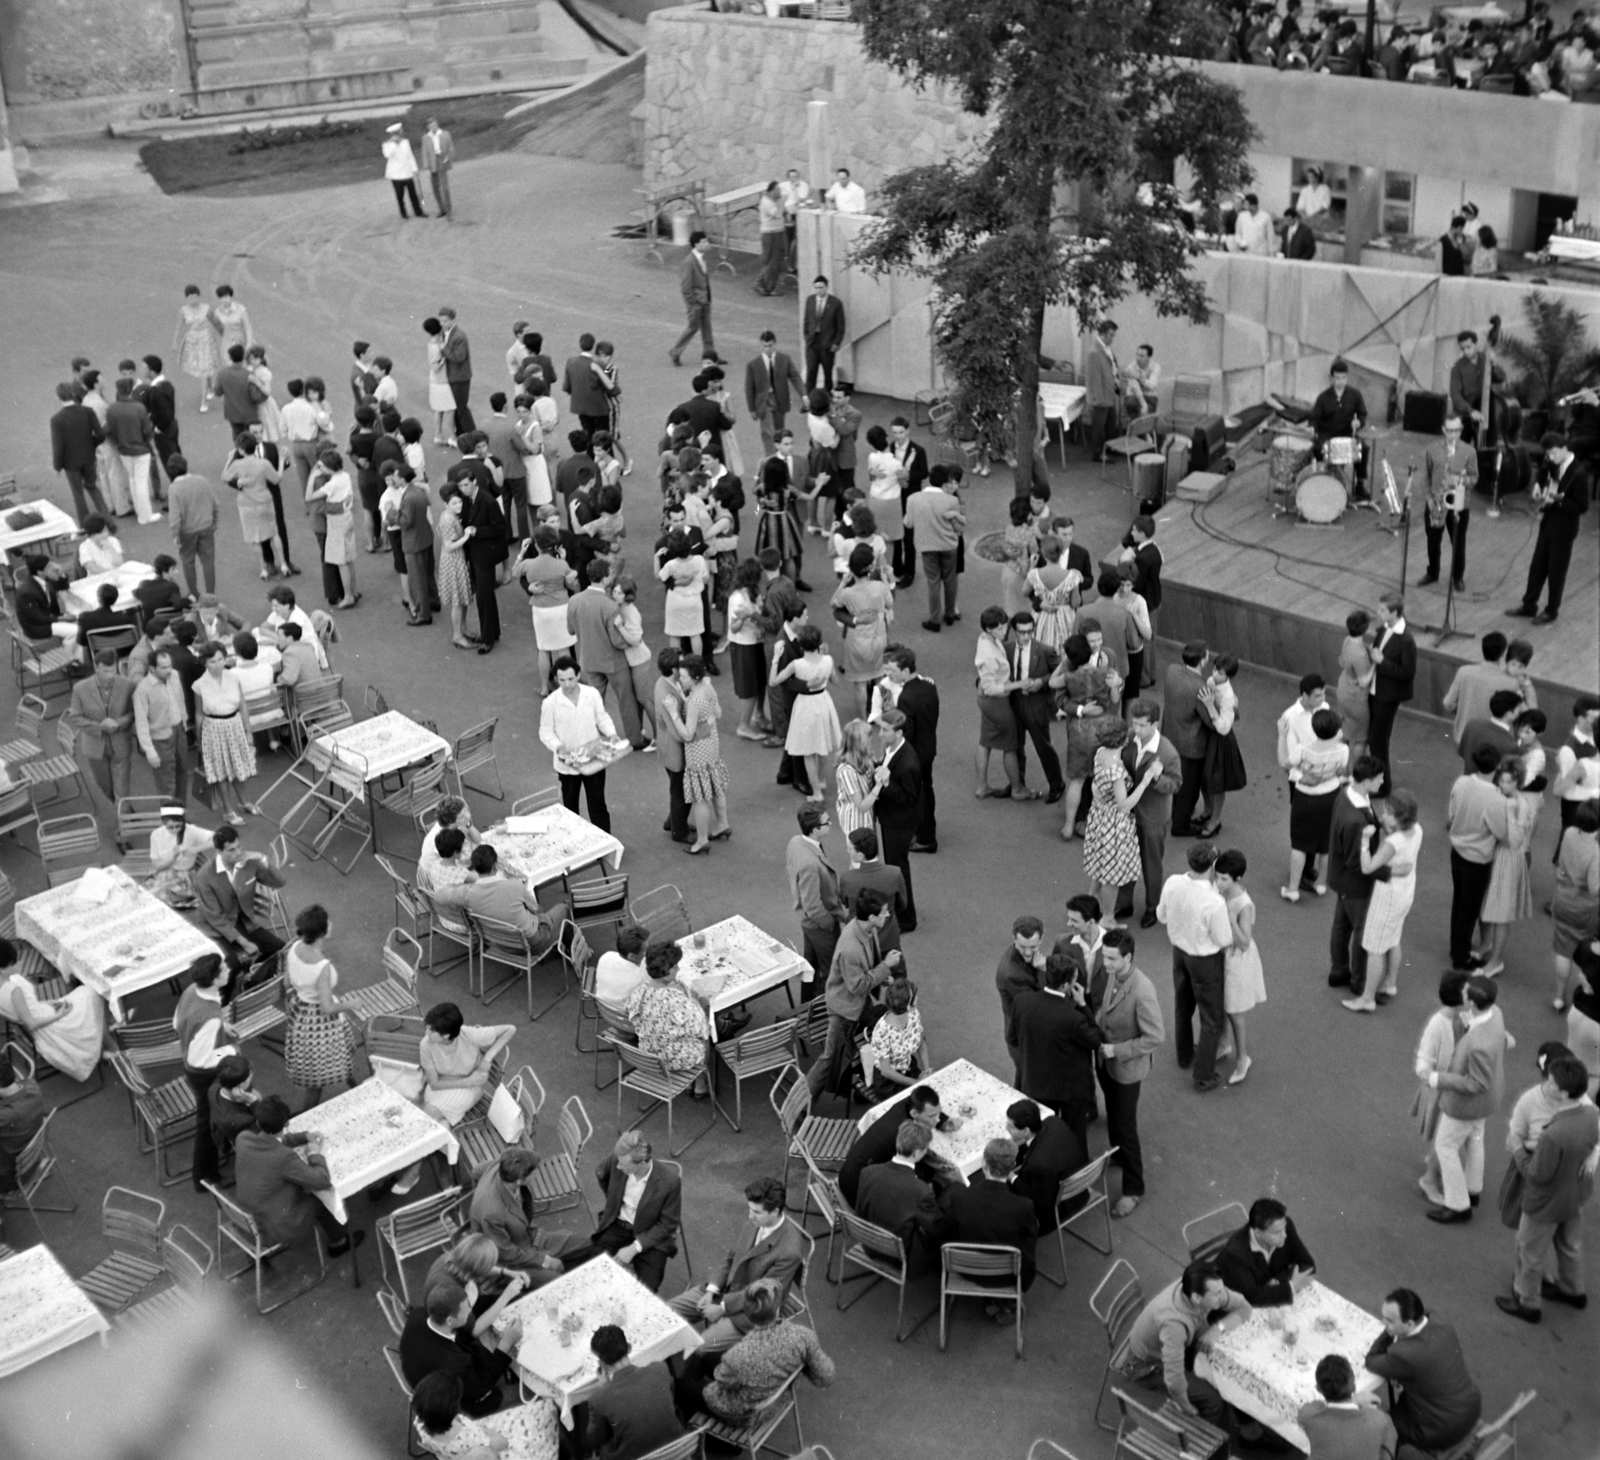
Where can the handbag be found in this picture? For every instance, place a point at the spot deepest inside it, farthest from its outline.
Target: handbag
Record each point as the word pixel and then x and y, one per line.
pixel 505 1115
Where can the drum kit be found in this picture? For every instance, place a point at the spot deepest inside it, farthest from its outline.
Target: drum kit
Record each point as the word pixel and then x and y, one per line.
pixel 1316 492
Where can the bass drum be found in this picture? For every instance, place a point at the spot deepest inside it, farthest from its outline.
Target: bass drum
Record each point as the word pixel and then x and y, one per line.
pixel 1321 498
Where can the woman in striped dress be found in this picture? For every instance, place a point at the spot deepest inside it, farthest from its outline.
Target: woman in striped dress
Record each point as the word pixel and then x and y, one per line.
pixel 228 752
pixel 855 789
pixel 316 1050
pixel 778 525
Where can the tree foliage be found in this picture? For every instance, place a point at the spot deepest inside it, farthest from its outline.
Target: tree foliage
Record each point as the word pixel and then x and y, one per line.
pixel 1558 358
pixel 1089 99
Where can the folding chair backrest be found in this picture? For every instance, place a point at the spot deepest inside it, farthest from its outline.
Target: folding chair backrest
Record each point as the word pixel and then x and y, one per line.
pixel 151 1037
pixel 69 842
pixel 685 1447
pixel 35 1160
pixel 501 936
pixel 982 1259
pixel 471 743
pixel 1081 1181
pixel 1157 1426
pixel 637 1059
pixel 137 817
pixel 758 1042
pixel 452 919
pixel 372 698
pixel 578 953
pixel 794 1105
pixel 31 715
pixel 249 1002
pixel 1205 1235
pixel 234 1219
pixel 823 1193
pixel 1117 1300
pixel 394 1311
pixel 116 639
pixel 315 693
pixel 527 1089
pixel 130 1074
pixel 402 957
pixel 396 1037
pixel 188 1258
pixel 663 911
pixel 131 1220
pixel 527 805
pixel 574 1128
pixel 22 1061
pixel 875 1239
pixel 598 896
pixel 266 707
pixel 422 1216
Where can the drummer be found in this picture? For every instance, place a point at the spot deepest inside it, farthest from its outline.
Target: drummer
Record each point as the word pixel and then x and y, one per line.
pixel 1340 412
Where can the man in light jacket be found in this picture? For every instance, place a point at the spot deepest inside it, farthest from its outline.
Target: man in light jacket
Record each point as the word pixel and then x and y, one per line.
pixel 814 885
pixel 438 156
pixel 1470 1091
pixel 1129 1015
pixel 855 972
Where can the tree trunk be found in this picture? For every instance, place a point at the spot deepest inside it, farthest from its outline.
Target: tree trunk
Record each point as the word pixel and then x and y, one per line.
pixel 1028 400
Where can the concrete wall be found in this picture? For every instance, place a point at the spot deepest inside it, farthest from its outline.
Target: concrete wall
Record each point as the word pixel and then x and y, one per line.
pixel 55 51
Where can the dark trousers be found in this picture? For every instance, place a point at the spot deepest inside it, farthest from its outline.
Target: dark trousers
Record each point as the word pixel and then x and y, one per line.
pixel 940 570
pixel 594 789
pixel 421 588
pixel 699 317
pixel 1152 854
pixel 817 945
pixel 514 503
pixel 774 258
pixel 172 775
pixel 819 362
pixel 896 844
pixel 1551 555
pixel 1101 426
pixel 268 946
pixel 1122 1130
pixel 483 590
pixel 406 187
pixel 461 389
pixel 201 545
pixel 1135 679
pixel 332 583
pixel 650 1266
pixel 1469 881
pixel 85 491
pixel 207 1159
pixel 1456 524
pixel 166 447
pixel 283 527
pixel 1380 726
pixel 440 178
pixel 1183 803
pixel 928 829
pixel 677 808
pixel 1033 723
pixel 1197 983
pixel 1347 959
pixel 591 424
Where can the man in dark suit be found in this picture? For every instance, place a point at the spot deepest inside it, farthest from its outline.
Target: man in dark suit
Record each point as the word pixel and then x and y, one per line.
pixel 161 400
pixel 275 1185
pixel 241 396
pixel 642 1213
pixel 918 701
pixel 893 1196
pixel 914 463
pixel 1020 970
pixel 876 1144
pixel 782 695
pixel 868 872
pixel 768 380
pixel 225 886
pixel 1562 495
pixel 1353 819
pixel 1047 1153
pixel 988 1210
pixel 1265 1262
pixel 1299 242
pixel 486 550
pixel 74 434
pixel 585 395
pixel 416 542
pixel 822 328
pixel 694 284
pixel 899 805
pixel 1185 719
pixel 705 412
pixel 1033 703
pixel 1439 1404
pixel 1152 814
pixel 457 367
pixel 1057 1039
pixel 668 694
pixel 631 1414
pixel 1394 674
pixel 437 1340
pixel 573 471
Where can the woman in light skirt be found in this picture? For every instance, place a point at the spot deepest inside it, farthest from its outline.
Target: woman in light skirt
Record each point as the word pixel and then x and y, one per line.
pixel 1509 897
pixel 456 1059
pixel 1434 1051
pixel 746 655
pixel 549 583
pixel 705 773
pixel 195 342
pixel 1243 981
pixel 316 1049
pixel 226 748
pixel 1396 845
pixel 441 399
pixel 813 722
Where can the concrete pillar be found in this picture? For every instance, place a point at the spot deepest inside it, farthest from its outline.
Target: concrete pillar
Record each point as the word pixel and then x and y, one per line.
pixel 1363 210
pixel 8 164
pixel 819 156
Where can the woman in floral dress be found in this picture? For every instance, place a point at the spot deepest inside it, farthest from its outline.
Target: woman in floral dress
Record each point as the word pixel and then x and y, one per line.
pixel 1110 843
pixel 228 752
pixel 864 606
pixel 899 1047
pixel 455 583
pixel 1052 586
pixel 316 1050
pixel 669 1021
pixel 705 774
pixel 528 1431
pixel 855 787
pixel 271 426
pixel 195 342
pixel 233 322
pixel 1021 551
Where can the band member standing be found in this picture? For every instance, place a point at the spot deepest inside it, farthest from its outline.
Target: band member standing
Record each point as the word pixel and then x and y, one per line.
pixel 1466 385
pixel 1337 413
pixel 1449 472
pixel 1562 497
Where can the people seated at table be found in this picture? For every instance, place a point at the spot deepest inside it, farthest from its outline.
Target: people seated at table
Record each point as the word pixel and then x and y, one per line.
pixel 176 849
pixel 452 813
pixel 1438 1404
pixel 100 551
pixel 898 1044
pixel 1047 1153
pixel 1183 1318
pixel 104 617
pixel 632 1413
pixel 284 611
pixel 275 1175
pixel 456 1059
pixel 297 662
pixel 642 1213
pixel 448 866
pixel 37 583
pixel 878 1142
pixel 231 1101
pixel 203 1039
pixel 255 674
pixel 769 1246
pixel 22 1112
pixel 668 1018
pixel 502 1208
pixel 734 1385
pixel 892 1195
pixel 618 974
pixel 506 899
pixel 316 1049
pixel 444 1427
pixel 1339 1427
pixel 987 1210
pixel 67 1033
pixel 473 1263
pixel 163 590
pixel 214 618
pixel 437 1341
pixel 225 887
pixel 1265 1262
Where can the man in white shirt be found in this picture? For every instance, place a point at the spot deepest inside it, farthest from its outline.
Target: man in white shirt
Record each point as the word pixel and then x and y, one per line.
pixel 846 196
pixel 1143 379
pixel 1196 920
pixel 571 721
pixel 796 193
pixel 1577 778
pixel 618 974
pixel 286 611
pixel 452 811
pixel 400 167
pixel 1252 230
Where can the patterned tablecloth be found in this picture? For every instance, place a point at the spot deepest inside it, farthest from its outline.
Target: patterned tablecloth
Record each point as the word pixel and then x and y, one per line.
pixel 578 1302
pixel 371 1133
pixel 375 748
pixel 55 523
pixel 1267 1365
pixel 129 942
pixel 84 593
pixel 41 1310
pixel 732 961
pixel 974 1097
pixel 550 843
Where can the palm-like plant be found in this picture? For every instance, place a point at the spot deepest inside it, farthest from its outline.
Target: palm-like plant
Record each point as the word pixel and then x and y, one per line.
pixel 1558 359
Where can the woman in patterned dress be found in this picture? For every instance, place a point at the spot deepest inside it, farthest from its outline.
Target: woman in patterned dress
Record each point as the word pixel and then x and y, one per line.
pixel 255 478
pixel 226 749
pixel 854 786
pixel 668 1019
pixel 1243 981
pixel 1084 693
pixel 316 1050
pixel 233 322
pixel 864 606
pixel 195 342
pixel 1052 586
pixel 705 774
pixel 778 522
pixel 271 425
pixel 1110 844
pixel 527 1431
pixel 455 583
pixel 1396 847
pixel 1021 551
pixel 441 399
pixel 1510 894
pixel 899 1047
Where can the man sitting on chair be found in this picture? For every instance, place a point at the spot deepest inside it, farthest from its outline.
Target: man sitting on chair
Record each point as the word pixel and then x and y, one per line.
pixel 225 886
pixel 643 1211
pixel 1340 412
pixel 502 1209
pixel 275 1184
pixel 506 900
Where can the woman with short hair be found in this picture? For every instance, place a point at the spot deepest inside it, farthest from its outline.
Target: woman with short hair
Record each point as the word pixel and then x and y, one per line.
pixel 457 1060
pixel 316 1050
pixel 1395 846
pixel 549 583
pixel 1110 841
pixel 899 1046
pixel 668 1018
pixel 226 749
pixel 863 605
pixel 100 551
pixel 455 582
pixel 705 773
pixel 756 1367
pixel 1356 673
pixel 528 1431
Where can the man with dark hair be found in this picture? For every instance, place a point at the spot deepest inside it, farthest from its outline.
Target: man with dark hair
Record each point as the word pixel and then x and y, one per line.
pixel 913 463
pixel 101 715
pixel 1562 497
pixel 1172 1328
pixel 1047 1153
pixel 194 512
pixel 1196 920
pixel 869 872
pixel 631 1413
pixel 274 1184
pixel 1185 720
pixel 438 1340
pixel 1020 971
pixel 1152 815
pixel 1265 1261
pixel 859 966
pixel 917 698
pixel 1478 824
pixel 988 1211
pixel 586 396
pixel 158 724
pixel 814 888
pixel 1353 817
pixel 1394 654
pixel 1471 1088
pixel 1466 384
pixel 163 590
pixel 876 1143
pixel 892 1195
pixel 203 1036
pixel 899 805
pixel 485 551
pixel 668 696
pixel 822 328
pixel 1057 1040
pixel 768 380
pixel 1032 702
pixel 1337 1426
pixel 457 352
pixel 1299 242
pixel 225 887
pixel 105 615
pixel 1474 685
pixel 75 432
pixel 1128 1014
pixel 161 400
pixel 1437 1404
pixel 642 1214
pixel 694 284
pixel 1497 729
pixel 502 1210
pixel 241 396
pixel 505 899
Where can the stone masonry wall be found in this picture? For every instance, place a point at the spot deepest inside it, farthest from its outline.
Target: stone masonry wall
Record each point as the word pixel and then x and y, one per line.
pixel 725 101
pixel 66 50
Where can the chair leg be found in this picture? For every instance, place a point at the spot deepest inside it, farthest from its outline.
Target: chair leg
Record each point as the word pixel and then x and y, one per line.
pixel 873 1280
pixel 1099 1403
pixel 1061 1244
pixel 944 1308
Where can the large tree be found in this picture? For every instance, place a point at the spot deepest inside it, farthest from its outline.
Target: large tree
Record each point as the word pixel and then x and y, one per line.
pixel 1094 104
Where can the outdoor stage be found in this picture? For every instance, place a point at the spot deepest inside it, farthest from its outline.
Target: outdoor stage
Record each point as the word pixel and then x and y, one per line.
pixel 1276 590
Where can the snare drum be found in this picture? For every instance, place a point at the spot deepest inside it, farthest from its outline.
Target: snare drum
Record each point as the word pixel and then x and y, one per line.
pixel 1321 498
pixel 1342 451
pixel 1289 454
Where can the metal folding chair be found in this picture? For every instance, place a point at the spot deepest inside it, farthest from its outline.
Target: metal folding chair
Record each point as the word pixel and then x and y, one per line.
pixel 1090 1182
pixel 555 1184
pixel 338 801
pixel 164 1118
pixel 405 896
pixel 428 1225
pixel 55 772
pixel 187 1260
pixel 882 1257
pixel 511 947
pixel 36 1164
pixel 396 991
pixel 1164 1434
pixel 599 902
pixel 474 751
pixel 132 1223
pixel 69 846
pixel 31 715
pixel 752 1436
pixel 647 1075
pixel 451 926
pixel 819 1139
pixel 537 801
pixel 763 1051
pixel 970 1270
pixel 42 671
pixel 664 912
pixel 1206 1235
pixel 137 817
pixel 1116 1303
pixel 259 1013
pixel 480 1142
pixel 238 1229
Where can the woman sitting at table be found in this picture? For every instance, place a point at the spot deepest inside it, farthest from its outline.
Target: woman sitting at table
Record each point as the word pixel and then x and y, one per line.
pixel 474 1263
pixel 456 1059
pixel 176 849
pixel 448 867
pixel 67 1032
pixel 99 552
pixel 316 1050
pixel 451 811
pixel 667 1018
pixel 899 1046
pixel 524 1432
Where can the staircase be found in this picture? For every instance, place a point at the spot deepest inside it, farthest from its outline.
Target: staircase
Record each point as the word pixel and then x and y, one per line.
pixel 262 54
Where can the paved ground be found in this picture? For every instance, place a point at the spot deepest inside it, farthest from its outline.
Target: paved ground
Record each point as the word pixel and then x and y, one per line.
pixel 1321 1121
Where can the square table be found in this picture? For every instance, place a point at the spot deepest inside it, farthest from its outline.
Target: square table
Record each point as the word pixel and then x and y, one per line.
pixel 976 1097
pixel 371 1132
pixel 131 941
pixel 1578 249
pixel 42 1310
pixel 55 524
pixel 733 961
pixel 550 843
pixel 601 1291
pixel 1257 1369
pixel 84 593
pixel 363 754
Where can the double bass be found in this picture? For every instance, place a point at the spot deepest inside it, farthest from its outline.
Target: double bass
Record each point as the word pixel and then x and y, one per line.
pixel 1501 468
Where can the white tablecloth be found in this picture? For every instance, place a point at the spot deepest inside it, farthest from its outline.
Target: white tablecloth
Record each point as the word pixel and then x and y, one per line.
pixel 578 1302
pixel 1258 1369
pixel 560 842
pixel 973 1096
pixel 1062 403
pixel 56 523
pixel 371 1133
pixel 130 942
pixel 375 748
pixel 737 962
pixel 84 593
pixel 41 1310
pixel 1583 250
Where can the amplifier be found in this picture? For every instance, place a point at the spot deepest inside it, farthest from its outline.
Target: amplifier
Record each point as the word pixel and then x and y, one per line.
pixel 1206 442
pixel 1425 412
